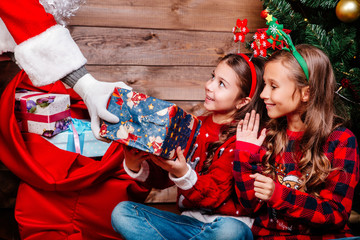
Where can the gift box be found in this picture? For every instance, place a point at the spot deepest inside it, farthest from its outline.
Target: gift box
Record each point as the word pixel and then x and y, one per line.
pixel 46 114
pixel 150 124
pixel 79 138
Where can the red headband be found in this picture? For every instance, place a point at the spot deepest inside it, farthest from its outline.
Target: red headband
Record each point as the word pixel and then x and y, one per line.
pixel 253 74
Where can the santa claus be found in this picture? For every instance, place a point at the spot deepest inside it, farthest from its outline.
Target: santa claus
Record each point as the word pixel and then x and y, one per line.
pixel 34 31
pixel 62 195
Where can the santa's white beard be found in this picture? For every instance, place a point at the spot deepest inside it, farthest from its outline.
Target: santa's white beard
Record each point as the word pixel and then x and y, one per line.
pixel 62 10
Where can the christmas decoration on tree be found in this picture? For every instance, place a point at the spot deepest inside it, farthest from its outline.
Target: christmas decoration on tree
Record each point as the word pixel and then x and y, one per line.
pixel 348 10
pixel 334 27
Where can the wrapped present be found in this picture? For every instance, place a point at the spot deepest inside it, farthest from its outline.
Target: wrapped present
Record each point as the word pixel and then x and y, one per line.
pixel 46 114
pixel 150 124
pixel 79 138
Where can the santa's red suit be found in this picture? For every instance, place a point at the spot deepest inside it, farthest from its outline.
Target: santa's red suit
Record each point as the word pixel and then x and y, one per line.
pixel 43 48
pixel 62 195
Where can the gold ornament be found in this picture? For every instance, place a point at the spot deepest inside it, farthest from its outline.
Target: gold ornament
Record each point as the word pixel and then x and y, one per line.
pixel 348 10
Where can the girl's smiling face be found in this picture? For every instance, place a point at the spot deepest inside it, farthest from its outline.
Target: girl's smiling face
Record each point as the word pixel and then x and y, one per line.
pixel 280 94
pixel 222 93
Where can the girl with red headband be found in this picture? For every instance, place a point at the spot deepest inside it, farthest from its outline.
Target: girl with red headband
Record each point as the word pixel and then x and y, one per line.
pixel 205 184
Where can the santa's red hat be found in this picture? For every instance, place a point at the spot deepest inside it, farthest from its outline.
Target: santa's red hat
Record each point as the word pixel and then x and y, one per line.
pixel 42 47
pixel 293 176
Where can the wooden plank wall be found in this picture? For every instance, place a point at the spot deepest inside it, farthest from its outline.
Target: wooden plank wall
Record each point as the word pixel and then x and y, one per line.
pixel 165 48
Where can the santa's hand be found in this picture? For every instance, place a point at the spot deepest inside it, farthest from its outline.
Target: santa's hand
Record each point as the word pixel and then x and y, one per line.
pixel 96 95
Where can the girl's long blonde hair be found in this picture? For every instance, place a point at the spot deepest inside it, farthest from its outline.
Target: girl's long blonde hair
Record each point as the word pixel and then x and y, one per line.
pixel 319 117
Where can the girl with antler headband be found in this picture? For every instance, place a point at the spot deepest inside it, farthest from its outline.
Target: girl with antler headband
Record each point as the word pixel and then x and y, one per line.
pixel 297 177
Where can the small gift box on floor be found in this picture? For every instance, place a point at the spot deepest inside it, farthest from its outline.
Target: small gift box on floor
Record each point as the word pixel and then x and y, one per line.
pixel 81 140
pixel 46 114
pixel 150 124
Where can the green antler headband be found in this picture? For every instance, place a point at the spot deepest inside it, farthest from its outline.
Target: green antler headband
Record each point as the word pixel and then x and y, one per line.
pixel 276 31
pixel 277 38
pixel 297 55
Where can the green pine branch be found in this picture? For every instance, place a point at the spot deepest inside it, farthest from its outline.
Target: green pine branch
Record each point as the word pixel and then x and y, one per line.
pixel 319 3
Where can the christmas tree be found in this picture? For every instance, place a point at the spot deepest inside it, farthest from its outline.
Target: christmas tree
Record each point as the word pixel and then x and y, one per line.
pixel 334 27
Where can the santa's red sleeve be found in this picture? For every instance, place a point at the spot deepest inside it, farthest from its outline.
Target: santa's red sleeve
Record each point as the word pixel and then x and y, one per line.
pixel 43 48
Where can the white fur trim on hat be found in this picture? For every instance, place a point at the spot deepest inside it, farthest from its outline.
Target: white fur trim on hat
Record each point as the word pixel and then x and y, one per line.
pixel 7 43
pixel 291 178
pixel 49 56
pixel 61 10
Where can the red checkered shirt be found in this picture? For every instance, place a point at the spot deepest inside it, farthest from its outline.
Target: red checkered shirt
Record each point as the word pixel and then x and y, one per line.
pixel 292 213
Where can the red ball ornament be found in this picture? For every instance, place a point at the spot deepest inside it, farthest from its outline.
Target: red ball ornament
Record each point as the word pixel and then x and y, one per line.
pixel 264 13
pixel 345 83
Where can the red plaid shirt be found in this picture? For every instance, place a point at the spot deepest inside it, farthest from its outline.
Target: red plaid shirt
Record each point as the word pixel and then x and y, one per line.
pixel 292 213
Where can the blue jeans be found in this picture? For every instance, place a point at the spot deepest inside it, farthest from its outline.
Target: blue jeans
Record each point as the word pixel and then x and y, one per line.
pixel 138 221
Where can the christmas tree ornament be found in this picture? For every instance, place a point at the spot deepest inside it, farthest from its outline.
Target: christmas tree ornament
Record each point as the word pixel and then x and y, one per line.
pixel 264 13
pixel 348 10
pixel 345 83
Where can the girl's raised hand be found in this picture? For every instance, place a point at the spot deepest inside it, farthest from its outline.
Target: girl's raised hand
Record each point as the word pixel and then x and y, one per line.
pixel 177 167
pixel 134 158
pixel 263 186
pixel 248 129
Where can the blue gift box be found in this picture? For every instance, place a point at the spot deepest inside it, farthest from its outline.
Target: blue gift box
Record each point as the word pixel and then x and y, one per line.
pixel 84 142
pixel 150 124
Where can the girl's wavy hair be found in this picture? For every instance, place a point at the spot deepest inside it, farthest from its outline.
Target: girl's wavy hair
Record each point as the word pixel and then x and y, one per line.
pixel 319 117
pixel 243 72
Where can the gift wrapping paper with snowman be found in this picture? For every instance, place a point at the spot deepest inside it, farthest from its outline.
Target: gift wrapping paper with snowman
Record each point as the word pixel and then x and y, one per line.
pixel 150 124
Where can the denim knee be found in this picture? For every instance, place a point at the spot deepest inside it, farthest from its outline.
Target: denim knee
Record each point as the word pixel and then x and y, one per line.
pixel 230 228
pixel 120 215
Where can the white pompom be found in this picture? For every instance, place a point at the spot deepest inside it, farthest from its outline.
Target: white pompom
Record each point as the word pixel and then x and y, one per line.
pixel 62 10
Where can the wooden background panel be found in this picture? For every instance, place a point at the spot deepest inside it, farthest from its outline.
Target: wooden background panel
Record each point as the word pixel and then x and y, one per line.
pixel 204 15
pixel 115 46
pixel 194 107
pixel 168 83
pixel 166 49
pixel 181 85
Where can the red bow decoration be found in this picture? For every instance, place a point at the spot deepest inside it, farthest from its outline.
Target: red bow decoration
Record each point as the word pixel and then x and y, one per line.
pixel 240 30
